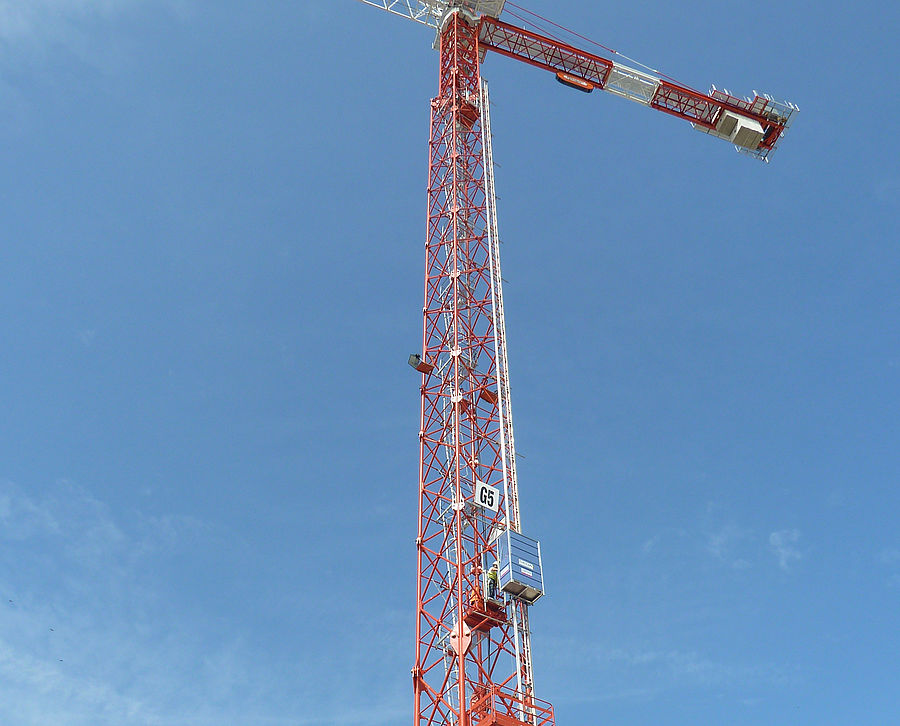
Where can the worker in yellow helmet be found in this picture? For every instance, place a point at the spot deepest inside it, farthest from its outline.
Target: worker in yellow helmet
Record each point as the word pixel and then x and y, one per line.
pixel 493 581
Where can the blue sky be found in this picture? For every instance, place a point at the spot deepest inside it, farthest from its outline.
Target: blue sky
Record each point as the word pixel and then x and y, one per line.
pixel 210 277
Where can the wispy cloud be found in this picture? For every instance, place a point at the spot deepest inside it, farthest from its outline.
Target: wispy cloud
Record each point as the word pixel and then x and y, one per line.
pixel 93 634
pixel 652 544
pixel 741 548
pixel 70 635
pixel 629 672
pixel 784 544
pixel 50 693
pixel 695 668
pixel 890 556
pixel 37 25
pixel 21 517
pixel 727 541
pixel 724 542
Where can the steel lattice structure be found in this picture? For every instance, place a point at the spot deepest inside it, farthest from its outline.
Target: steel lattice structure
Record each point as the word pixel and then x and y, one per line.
pixel 468 654
pixel 473 662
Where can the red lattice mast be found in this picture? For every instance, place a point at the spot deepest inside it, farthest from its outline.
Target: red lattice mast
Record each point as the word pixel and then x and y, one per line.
pixel 471 667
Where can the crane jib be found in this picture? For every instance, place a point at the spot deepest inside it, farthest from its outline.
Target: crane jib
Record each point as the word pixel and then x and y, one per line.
pixel 756 126
pixel 543 52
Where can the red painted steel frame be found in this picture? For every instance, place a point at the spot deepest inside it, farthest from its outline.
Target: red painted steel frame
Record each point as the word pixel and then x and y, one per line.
pixel 705 110
pixel 543 52
pixel 492 708
pixel 556 56
pixel 460 439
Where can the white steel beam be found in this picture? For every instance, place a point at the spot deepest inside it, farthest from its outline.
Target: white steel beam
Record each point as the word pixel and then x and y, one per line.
pixel 430 12
pixel 427 12
pixel 631 84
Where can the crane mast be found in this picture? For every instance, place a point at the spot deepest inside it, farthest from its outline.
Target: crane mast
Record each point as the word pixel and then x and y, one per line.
pixel 473 662
pixel 477 572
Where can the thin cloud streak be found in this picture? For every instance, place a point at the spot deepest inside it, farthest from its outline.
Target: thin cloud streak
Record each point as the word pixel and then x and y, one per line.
pixel 33 26
pixel 784 544
pixel 722 543
pixel 650 671
pixel 105 643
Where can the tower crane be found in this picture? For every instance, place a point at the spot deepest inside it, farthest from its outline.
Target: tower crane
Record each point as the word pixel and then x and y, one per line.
pixel 477 571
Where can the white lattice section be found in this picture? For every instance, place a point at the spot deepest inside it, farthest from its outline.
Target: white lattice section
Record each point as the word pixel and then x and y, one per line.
pixel 430 12
pixel 427 12
pixel 631 84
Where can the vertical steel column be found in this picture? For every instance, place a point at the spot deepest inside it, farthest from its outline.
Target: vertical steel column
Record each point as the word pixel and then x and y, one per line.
pixel 521 628
pixel 461 435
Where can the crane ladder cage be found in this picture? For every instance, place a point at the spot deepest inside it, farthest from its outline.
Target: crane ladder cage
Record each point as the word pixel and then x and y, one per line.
pixel 499 706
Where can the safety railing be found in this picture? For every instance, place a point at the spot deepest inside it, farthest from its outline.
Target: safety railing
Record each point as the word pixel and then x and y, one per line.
pixel 496 706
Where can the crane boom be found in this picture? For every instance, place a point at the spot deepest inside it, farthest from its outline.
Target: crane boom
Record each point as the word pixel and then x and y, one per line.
pixel 753 126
